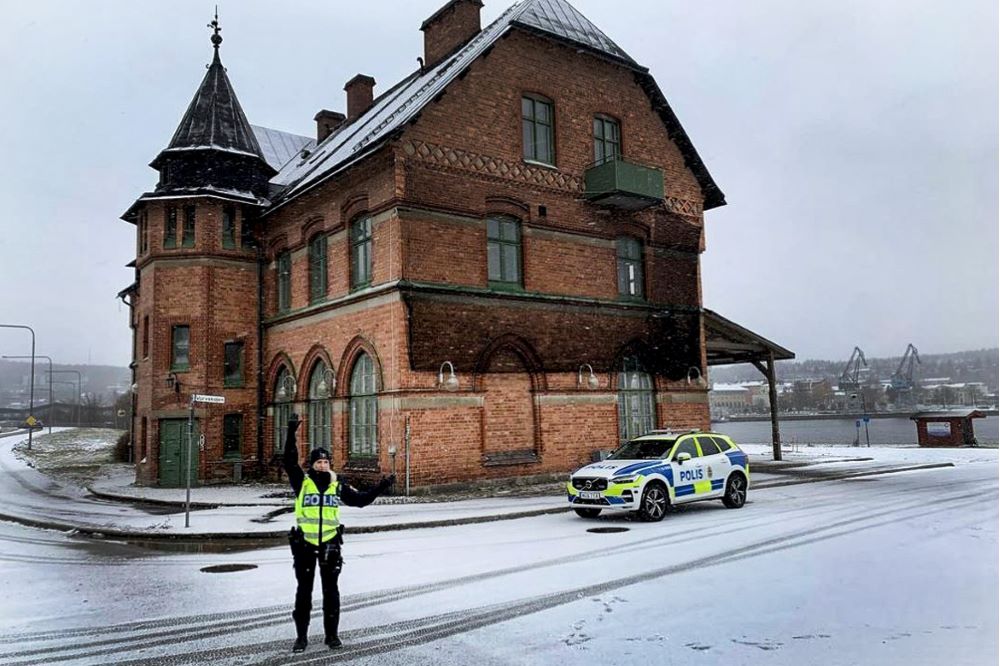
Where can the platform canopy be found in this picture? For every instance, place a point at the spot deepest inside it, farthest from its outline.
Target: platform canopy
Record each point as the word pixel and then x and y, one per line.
pixel 726 342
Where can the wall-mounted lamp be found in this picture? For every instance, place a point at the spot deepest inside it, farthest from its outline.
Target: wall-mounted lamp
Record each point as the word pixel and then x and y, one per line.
pixel 173 382
pixel 286 390
pixel 327 384
pixel 451 383
pixel 592 381
pixel 135 388
pixel 694 376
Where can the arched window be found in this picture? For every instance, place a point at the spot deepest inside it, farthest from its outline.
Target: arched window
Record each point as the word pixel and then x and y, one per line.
pixel 284 394
pixel 636 413
pixel 364 409
pixel 320 393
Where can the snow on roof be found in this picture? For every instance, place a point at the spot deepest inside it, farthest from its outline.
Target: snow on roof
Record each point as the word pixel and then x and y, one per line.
pixel 279 147
pixel 392 110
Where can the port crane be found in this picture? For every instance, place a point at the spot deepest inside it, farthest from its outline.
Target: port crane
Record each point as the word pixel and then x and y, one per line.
pixel 849 377
pixel 902 379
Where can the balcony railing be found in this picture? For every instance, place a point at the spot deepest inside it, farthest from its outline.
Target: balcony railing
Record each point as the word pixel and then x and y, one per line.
pixel 618 183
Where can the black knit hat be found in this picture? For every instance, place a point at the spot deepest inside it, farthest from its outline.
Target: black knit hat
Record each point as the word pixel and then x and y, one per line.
pixel 318 454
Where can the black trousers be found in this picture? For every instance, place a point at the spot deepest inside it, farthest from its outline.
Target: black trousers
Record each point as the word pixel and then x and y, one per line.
pixel 307 558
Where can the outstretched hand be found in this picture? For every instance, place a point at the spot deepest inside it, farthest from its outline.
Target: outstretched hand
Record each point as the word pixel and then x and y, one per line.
pixel 293 423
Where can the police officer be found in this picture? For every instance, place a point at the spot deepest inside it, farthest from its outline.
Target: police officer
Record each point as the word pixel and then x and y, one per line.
pixel 317 536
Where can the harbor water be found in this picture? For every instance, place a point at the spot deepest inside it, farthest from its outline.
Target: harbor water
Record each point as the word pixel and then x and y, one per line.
pixel 896 431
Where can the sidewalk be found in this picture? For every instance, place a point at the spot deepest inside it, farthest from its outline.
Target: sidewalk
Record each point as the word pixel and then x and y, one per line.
pixel 112 507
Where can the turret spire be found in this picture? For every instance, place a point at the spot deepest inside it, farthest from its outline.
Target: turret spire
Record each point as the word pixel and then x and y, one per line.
pixel 216 37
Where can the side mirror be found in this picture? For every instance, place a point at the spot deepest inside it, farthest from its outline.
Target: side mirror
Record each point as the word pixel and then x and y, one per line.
pixel 683 457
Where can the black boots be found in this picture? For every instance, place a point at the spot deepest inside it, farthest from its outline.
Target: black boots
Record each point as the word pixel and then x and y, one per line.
pixel 333 642
pixel 300 645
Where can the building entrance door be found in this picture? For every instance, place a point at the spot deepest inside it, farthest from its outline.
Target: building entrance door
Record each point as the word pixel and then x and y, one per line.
pixel 173 439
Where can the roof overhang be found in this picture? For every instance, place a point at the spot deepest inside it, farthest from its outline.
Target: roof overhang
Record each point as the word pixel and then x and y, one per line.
pixel 726 343
pixel 196 193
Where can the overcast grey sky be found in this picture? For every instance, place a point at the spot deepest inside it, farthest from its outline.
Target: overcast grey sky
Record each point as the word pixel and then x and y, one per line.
pixel 856 142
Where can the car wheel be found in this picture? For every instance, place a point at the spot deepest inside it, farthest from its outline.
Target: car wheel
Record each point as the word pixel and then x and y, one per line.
pixel 654 503
pixel 736 492
pixel 588 513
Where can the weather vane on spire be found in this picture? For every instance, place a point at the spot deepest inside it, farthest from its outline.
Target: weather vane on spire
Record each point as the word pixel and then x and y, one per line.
pixel 214 25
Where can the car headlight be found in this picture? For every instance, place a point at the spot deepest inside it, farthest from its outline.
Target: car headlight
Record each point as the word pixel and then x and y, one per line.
pixel 621 480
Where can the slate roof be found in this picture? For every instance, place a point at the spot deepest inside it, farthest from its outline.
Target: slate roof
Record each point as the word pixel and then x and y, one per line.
pixel 391 111
pixel 561 19
pixel 215 119
pixel 279 147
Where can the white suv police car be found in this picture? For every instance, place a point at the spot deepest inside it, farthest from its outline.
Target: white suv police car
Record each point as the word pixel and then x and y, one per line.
pixel 660 468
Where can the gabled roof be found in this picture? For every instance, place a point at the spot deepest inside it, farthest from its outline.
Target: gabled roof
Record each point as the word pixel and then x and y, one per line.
pixel 555 19
pixel 215 119
pixel 561 19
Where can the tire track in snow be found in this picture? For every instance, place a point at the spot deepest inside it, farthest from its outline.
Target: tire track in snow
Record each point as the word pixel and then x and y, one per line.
pixel 470 620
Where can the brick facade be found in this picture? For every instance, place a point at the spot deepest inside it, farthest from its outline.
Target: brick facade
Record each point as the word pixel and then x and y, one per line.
pixel 520 407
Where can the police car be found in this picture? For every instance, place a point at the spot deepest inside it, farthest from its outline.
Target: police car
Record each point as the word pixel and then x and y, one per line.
pixel 660 468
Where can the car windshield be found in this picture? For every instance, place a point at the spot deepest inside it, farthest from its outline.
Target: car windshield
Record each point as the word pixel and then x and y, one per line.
pixel 643 449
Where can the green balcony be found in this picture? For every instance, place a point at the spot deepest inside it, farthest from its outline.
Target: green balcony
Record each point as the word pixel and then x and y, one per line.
pixel 621 184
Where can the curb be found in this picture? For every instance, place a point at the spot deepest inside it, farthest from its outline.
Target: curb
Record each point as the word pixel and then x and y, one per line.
pixel 111 533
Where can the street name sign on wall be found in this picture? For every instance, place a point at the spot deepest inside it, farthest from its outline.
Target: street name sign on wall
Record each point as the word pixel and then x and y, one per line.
pixel 212 399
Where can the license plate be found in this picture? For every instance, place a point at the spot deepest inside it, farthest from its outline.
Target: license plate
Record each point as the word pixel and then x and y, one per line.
pixel 590 494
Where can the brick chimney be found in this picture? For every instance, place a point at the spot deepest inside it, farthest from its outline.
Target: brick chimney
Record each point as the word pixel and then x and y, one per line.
pixel 450 27
pixel 327 122
pixel 360 93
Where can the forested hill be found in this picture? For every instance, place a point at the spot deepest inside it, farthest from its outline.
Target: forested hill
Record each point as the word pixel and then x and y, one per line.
pixel 980 365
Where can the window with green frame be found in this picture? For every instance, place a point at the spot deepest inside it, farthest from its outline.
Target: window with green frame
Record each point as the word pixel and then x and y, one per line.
pixel 607 139
pixel 180 348
pixel 229 227
pixel 630 268
pixel 363 410
pixel 282 407
pixel 284 281
pixel 187 239
pixel 536 126
pixel 169 227
pixel 636 403
pixel 317 268
pixel 232 435
pixel 503 252
pixel 143 228
pixel 232 372
pixel 319 408
pixel 361 252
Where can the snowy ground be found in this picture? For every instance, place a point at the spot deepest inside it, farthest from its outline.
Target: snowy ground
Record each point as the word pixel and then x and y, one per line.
pixel 892 569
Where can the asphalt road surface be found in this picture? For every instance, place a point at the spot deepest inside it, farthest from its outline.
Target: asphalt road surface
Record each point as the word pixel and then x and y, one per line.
pixel 897 568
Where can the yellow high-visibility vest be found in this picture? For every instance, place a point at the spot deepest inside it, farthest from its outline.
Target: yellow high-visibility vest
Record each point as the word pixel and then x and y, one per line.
pixel 318 523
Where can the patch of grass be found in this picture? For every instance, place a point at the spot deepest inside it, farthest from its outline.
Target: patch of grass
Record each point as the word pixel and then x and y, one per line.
pixel 77 453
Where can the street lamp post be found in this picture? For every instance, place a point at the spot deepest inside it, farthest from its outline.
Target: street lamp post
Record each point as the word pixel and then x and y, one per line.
pixel 79 385
pixel 49 359
pixel 31 391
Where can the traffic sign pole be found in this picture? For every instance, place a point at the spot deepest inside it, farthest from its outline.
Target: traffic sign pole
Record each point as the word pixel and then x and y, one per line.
pixel 195 397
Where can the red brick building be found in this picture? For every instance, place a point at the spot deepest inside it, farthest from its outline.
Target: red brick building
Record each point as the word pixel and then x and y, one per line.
pixel 490 269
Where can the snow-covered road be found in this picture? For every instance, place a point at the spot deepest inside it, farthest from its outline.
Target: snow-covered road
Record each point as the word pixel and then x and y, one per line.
pixel 900 568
